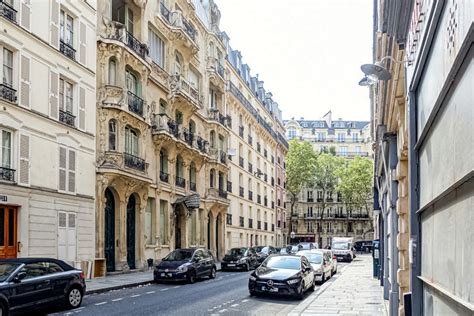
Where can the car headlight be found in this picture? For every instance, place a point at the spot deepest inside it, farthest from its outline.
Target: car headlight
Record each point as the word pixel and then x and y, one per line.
pixel 241 261
pixel 293 281
pixel 252 278
pixel 182 268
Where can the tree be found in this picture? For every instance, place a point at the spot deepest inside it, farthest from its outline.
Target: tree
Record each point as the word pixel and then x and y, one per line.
pixel 355 185
pixel 300 170
pixel 325 179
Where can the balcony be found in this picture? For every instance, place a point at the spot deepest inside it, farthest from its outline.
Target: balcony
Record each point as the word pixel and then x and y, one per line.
pixel 214 115
pixel 241 131
pixel 135 45
pixel 134 162
pixel 241 191
pixel 250 223
pixel 265 226
pixel 352 154
pixel 241 162
pixel 216 72
pixel 192 186
pixel 319 200
pixel 250 167
pixel 117 31
pixel 67 118
pixel 250 195
pixel 250 139
pixel 135 103
pixel 218 195
pixel 164 177
pixel 228 219
pixel 310 200
pixel 7 93
pixel 7 174
pixel 7 11
pixel 67 50
pixel 259 224
pixel 229 186
pixel 241 221
pixel 259 199
pixel 223 157
pixel 329 200
pixel 179 86
pixel 180 182
pixel 222 193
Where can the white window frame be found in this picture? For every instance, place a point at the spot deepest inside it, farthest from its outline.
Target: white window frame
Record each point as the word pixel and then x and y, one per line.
pixel 11 162
pixel 8 67
pixel 131 140
pixel 157 48
pixel 63 96
pixel 65 16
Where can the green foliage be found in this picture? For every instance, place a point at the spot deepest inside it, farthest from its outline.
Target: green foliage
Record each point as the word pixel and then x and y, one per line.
pixel 356 181
pixel 300 166
pixel 325 175
pixel 332 150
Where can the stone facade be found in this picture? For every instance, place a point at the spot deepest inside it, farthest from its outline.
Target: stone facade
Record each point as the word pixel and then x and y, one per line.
pixel 47 175
pixel 318 218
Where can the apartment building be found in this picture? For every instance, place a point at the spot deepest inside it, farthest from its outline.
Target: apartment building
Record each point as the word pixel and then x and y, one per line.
pixel 47 122
pixel 320 216
pixel 164 131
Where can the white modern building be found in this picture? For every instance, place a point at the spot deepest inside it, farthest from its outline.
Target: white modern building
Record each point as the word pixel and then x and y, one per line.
pixel 47 122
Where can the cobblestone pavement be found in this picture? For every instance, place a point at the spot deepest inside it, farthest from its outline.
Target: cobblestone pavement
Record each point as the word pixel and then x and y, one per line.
pixel 354 292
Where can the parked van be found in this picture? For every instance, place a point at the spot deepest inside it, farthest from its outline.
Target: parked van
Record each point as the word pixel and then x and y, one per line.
pixel 343 248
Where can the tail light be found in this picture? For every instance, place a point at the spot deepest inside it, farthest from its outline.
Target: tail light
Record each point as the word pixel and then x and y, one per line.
pixel 334 257
pixel 82 275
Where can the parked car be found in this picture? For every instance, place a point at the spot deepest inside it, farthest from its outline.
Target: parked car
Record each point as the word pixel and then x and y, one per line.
pixel 283 275
pixel 186 265
pixel 292 249
pixel 240 258
pixel 333 261
pixel 307 245
pixel 30 282
pixel 284 251
pixel 363 245
pixel 264 252
pixel 321 263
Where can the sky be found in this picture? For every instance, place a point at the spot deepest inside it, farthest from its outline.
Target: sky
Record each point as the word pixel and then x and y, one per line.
pixel 308 52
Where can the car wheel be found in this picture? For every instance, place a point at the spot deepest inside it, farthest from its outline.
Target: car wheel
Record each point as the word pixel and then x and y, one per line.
pixel 3 308
pixel 300 291
pixel 213 273
pixel 191 277
pixel 247 267
pixel 313 286
pixel 323 279
pixel 74 297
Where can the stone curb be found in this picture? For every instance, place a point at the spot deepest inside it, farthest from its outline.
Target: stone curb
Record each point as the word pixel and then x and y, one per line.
pixel 300 308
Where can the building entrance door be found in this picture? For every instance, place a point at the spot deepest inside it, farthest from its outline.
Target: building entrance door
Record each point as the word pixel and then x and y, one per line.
pixel 8 227
pixel 109 242
pixel 131 232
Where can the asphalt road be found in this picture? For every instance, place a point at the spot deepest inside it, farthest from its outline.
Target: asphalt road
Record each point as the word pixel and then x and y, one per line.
pixel 227 294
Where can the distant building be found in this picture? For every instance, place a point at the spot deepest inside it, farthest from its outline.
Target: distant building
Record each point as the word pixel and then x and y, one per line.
pixel 346 139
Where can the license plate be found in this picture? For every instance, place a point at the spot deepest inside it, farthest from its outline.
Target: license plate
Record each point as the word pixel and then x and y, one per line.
pixel 270 289
pixel 231 265
pixel 163 274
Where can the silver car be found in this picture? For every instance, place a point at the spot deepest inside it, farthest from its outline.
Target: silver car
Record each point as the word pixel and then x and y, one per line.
pixel 320 261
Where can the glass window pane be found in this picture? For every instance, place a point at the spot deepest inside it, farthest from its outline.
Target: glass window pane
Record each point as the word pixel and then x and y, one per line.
pixel 69 30
pixel 7 67
pixel 11 227
pixel 6 149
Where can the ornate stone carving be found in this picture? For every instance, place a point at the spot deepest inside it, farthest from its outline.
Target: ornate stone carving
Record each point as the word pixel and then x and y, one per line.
pixel 215 17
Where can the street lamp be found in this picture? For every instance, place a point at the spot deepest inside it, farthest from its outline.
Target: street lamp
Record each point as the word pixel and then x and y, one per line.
pixel 292 236
pixel 376 72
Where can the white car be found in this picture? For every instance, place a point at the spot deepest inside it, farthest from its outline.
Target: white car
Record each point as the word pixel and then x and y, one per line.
pixel 333 261
pixel 321 263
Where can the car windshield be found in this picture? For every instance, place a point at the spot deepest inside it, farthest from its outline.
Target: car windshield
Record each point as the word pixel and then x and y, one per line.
pixel 340 245
pixel 291 263
pixel 236 252
pixel 265 250
pixel 313 257
pixel 179 255
pixel 6 270
pixel 304 246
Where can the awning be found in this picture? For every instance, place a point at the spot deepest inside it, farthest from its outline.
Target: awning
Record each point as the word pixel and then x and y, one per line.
pixel 192 201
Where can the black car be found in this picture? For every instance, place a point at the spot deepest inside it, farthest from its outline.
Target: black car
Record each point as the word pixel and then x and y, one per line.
pixel 264 252
pixel 240 258
pixel 186 265
pixel 32 282
pixel 283 275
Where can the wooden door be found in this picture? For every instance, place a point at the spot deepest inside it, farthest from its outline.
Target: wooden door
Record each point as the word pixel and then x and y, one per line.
pixel 8 232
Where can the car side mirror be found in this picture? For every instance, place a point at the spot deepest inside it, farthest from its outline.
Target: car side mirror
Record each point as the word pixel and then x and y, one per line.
pixel 307 269
pixel 20 276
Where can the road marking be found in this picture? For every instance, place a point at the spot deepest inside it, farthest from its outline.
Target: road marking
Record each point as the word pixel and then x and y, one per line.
pixel 222 310
pixel 234 305
pixel 176 287
pixel 150 292
pixel 136 295
pixel 162 290
pixel 245 301
pixel 117 299
pixel 101 303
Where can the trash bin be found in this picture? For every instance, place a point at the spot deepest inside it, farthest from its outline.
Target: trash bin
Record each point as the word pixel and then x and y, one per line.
pixel 376 258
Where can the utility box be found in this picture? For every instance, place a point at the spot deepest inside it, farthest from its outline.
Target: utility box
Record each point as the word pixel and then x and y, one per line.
pixel 376 258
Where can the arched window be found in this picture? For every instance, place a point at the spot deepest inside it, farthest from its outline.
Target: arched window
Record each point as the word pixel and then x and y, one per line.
pixel 131 81
pixel 131 141
pixel 163 106
pixel 112 135
pixel 112 72
pixel 212 177
pixel 192 177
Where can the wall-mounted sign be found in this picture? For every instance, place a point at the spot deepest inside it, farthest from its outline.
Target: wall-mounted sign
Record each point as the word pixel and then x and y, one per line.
pixel 3 198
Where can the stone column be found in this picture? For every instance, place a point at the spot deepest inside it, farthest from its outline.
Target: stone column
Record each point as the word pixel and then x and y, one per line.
pixel 121 237
pixel 222 237
pixel 99 223
pixel 212 233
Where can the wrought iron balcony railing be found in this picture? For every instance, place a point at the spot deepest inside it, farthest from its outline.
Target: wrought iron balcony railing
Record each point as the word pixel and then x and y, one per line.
pixel 135 45
pixel 7 11
pixel 7 93
pixel 7 174
pixel 134 162
pixel 180 182
pixel 67 118
pixel 135 103
pixel 222 193
pixel 67 50
pixel 192 186
pixel 164 176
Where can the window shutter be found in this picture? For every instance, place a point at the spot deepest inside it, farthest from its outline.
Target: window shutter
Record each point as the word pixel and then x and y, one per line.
pixel 62 168
pixel 53 94
pixel 54 24
pixel 82 108
pixel 25 81
pixel 24 174
pixel 72 171
pixel 82 43
pixel 25 14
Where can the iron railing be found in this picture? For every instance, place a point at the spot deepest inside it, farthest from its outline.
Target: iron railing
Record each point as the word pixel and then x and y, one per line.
pixel 180 182
pixel 7 11
pixel 250 167
pixel 250 223
pixel 241 162
pixel 222 193
pixel 67 118
pixel 7 93
pixel 164 176
pixel 67 50
pixel 229 186
pixel 135 45
pixel 134 162
pixel 192 186
pixel 7 174
pixel 135 103
pixel 228 219
pixel 250 195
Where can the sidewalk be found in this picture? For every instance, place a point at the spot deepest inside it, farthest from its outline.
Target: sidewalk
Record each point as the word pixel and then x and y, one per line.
pixel 119 281
pixel 353 292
